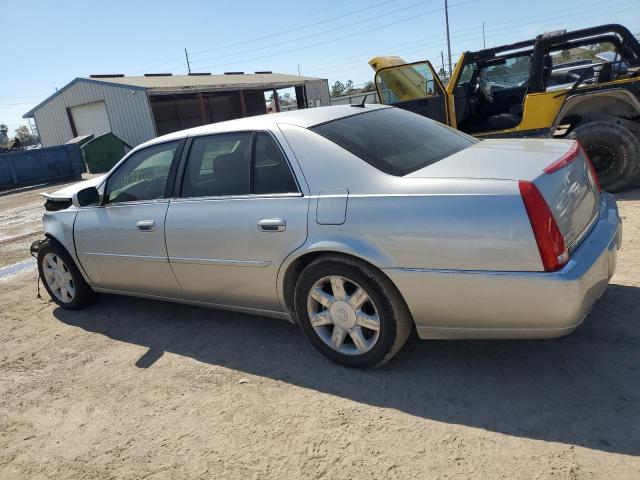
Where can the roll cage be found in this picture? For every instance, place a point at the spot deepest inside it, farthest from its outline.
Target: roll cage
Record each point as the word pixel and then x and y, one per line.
pixel 624 41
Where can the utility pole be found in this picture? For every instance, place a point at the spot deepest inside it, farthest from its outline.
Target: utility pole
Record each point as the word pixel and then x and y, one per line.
pixel 188 64
pixel 31 128
pixel 298 69
pixel 484 42
pixel 442 58
pixel 446 16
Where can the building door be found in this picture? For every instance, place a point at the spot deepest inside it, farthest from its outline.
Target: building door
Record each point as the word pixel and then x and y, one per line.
pixel 91 118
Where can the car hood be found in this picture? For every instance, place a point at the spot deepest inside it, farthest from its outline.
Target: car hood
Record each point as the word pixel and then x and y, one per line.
pixel 67 192
pixel 505 159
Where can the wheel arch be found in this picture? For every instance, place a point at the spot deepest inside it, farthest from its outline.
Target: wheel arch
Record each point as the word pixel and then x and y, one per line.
pixel 297 261
pixel 583 108
pixel 58 226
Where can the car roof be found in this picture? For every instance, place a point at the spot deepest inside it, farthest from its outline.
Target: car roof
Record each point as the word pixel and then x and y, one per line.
pixel 306 118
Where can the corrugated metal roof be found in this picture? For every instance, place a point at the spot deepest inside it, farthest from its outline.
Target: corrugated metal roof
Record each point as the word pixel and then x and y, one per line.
pixel 188 82
pixel 182 83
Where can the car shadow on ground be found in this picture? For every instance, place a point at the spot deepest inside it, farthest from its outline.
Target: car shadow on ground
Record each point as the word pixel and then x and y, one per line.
pixel 629 194
pixel 583 389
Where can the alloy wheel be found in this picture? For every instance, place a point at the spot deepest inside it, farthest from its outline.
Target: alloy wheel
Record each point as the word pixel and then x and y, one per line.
pixel 343 315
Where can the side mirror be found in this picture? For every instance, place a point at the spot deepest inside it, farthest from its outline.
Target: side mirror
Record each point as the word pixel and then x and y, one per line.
pixel 86 196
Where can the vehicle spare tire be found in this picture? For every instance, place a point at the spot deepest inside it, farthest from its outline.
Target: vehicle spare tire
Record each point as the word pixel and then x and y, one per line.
pixel 613 150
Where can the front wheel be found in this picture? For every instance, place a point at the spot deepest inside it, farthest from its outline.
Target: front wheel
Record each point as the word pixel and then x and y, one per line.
pixel 61 277
pixel 614 151
pixel 350 312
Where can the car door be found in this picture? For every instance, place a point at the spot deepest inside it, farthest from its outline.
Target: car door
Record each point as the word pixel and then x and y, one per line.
pixel 240 212
pixel 414 87
pixel 120 243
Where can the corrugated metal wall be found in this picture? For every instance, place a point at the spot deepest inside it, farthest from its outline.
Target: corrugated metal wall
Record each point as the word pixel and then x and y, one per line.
pixel 128 109
pixel 317 90
pixel 371 97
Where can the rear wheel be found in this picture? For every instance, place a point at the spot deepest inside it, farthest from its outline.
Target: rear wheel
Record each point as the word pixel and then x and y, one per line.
pixel 61 278
pixel 614 151
pixel 350 312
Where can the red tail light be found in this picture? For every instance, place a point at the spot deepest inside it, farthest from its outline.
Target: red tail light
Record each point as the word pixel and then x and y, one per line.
pixel 564 160
pixel 570 156
pixel 553 252
pixel 596 180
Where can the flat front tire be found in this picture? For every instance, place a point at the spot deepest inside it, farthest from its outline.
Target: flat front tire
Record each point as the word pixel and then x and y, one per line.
pixel 61 278
pixel 350 312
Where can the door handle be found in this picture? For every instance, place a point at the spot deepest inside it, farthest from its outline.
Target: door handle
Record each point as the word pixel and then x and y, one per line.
pixel 146 225
pixel 272 225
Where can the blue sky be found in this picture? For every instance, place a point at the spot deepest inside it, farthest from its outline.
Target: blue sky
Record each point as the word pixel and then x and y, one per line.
pixel 47 43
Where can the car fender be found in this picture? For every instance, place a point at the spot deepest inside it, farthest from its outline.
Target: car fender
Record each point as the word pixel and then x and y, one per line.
pixel 59 227
pixel 346 244
pixel 612 101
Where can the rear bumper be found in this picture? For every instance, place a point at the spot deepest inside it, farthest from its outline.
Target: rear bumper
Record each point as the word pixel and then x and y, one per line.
pixel 484 304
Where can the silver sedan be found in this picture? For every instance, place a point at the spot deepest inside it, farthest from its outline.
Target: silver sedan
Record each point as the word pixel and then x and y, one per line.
pixel 358 223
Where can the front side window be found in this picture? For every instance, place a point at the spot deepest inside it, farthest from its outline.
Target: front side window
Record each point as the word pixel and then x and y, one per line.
pixel 143 176
pixel 467 73
pixel 393 140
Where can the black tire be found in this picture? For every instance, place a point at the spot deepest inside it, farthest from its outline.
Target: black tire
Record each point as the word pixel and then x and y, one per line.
pixel 395 320
pixel 83 294
pixel 614 151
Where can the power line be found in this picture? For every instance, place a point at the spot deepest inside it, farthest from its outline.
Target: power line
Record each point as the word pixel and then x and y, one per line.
pixel 339 38
pixel 302 27
pixel 341 27
pixel 511 27
pixel 173 60
pixel 347 60
pixel 26 96
pixel 514 27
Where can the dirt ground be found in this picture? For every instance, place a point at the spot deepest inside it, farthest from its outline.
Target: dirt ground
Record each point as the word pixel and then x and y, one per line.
pixel 140 389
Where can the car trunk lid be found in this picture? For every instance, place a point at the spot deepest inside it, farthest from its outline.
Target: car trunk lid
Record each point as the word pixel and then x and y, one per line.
pixel 568 186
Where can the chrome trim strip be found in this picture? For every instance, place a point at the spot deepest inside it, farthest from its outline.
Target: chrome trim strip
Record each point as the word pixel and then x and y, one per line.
pixel 220 261
pixel 566 269
pixel 217 198
pixel 117 256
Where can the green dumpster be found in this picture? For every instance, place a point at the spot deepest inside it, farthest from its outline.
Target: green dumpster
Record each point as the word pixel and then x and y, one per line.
pixel 103 152
pixel 80 141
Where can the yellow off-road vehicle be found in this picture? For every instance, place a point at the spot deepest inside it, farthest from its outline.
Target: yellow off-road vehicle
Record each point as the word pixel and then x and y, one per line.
pixel 583 84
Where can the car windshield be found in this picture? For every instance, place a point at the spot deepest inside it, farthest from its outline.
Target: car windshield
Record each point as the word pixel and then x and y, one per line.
pixel 394 140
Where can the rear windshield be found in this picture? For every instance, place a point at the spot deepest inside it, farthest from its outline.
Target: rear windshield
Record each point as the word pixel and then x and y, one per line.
pixel 394 140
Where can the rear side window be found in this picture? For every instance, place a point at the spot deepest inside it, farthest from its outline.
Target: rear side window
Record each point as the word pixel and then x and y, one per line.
pixel 271 173
pixel 395 141
pixel 240 163
pixel 218 165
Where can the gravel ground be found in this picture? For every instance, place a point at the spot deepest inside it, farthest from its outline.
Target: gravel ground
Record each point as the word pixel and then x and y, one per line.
pixel 140 389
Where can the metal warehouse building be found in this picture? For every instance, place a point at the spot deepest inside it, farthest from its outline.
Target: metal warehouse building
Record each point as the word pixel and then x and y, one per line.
pixel 137 109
